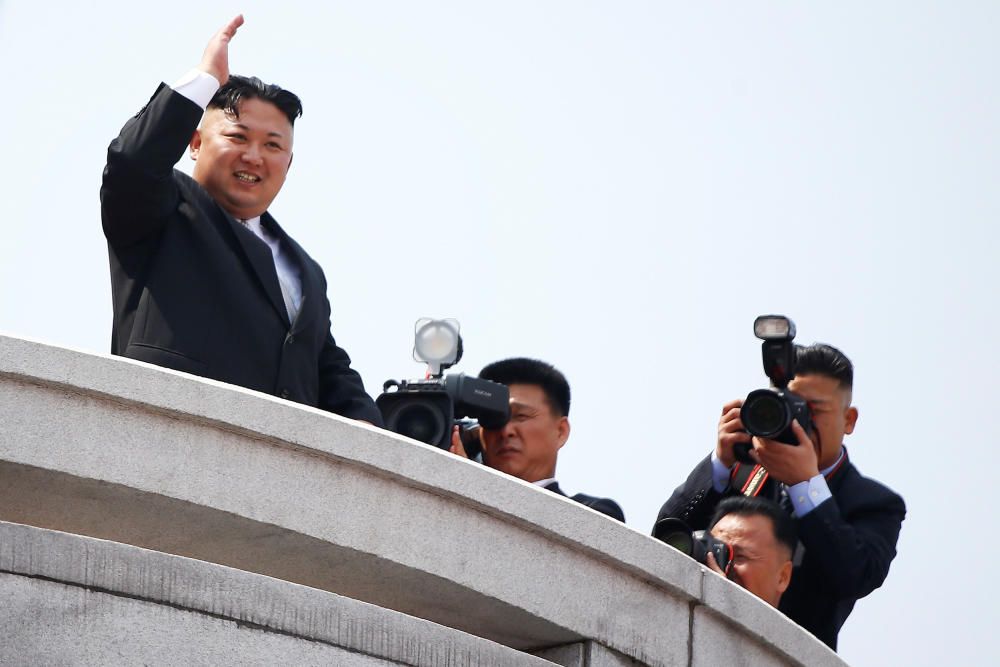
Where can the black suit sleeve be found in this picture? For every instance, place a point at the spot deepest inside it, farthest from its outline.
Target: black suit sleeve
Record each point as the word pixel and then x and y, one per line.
pixel 138 193
pixel 341 389
pixel 610 508
pixel 854 547
pixel 605 506
pixel 694 501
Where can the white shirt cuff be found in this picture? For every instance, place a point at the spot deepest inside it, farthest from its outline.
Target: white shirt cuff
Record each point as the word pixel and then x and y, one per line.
pixel 807 495
pixel 197 86
pixel 720 474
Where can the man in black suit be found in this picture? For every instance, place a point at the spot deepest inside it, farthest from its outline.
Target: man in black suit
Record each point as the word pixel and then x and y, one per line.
pixel 203 279
pixel 847 524
pixel 528 446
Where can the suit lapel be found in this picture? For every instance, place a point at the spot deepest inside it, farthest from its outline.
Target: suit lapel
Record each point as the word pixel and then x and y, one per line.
pixel 309 281
pixel 261 261
pixel 255 252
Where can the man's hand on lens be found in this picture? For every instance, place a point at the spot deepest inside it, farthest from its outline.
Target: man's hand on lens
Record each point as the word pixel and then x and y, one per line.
pixel 731 432
pixel 215 60
pixel 457 447
pixel 789 464
pixel 713 566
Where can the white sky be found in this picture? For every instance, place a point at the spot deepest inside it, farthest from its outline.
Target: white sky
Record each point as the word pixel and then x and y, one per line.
pixel 618 188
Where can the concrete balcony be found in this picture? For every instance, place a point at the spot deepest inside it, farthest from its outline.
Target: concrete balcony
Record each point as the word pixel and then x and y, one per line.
pixel 205 524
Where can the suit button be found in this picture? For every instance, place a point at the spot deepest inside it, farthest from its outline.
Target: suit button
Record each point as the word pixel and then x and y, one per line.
pixel 285 393
pixel 289 339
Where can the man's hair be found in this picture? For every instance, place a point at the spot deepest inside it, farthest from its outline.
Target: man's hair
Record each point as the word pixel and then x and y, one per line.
pixel 784 527
pixel 239 88
pixel 521 370
pixel 826 360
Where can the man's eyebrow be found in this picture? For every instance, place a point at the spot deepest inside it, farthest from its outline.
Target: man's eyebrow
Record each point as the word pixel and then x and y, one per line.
pixel 523 406
pixel 270 134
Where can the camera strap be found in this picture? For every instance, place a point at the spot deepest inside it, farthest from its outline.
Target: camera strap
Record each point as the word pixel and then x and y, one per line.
pixel 748 479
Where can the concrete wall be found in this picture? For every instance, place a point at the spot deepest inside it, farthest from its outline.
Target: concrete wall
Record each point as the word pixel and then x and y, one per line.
pixel 122 451
pixel 77 600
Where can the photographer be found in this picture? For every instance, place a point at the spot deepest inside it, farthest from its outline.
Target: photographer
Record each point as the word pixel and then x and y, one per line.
pixel 847 524
pixel 528 445
pixel 763 539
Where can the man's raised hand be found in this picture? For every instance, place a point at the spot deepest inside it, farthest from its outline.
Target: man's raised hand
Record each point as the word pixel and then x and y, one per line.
pixel 215 60
pixel 787 463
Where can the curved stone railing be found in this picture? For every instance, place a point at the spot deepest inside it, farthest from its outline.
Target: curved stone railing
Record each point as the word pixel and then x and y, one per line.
pixel 119 450
pixel 77 600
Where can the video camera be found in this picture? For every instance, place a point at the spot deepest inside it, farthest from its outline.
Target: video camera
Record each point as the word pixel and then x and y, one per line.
pixel 426 410
pixel 768 413
pixel 677 534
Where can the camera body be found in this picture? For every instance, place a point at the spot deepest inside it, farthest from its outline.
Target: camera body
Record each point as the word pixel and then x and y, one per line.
pixel 769 413
pixel 677 534
pixel 426 410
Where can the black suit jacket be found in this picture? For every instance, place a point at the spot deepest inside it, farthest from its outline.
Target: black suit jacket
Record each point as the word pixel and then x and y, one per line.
pixel 196 291
pixel 602 505
pixel 849 542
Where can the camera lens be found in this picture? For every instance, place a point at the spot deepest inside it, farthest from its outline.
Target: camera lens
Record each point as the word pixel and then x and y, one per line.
pixel 675 533
pixel 765 413
pixel 419 421
pixel 680 541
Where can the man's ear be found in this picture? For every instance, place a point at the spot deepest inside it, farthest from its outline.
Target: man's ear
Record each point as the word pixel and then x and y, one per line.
pixel 850 419
pixel 784 576
pixel 563 427
pixel 194 146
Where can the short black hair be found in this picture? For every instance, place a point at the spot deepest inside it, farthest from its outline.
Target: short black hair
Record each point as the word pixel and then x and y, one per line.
pixel 239 88
pixel 784 527
pixel 521 370
pixel 826 360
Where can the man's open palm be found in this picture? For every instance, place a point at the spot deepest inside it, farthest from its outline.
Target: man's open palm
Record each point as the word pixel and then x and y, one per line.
pixel 215 60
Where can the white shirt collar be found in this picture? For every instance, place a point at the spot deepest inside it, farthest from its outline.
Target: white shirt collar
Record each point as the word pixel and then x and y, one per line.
pixel 253 224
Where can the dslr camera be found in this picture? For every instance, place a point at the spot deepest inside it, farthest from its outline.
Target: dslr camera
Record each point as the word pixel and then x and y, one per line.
pixel 677 534
pixel 768 413
pixel 427 409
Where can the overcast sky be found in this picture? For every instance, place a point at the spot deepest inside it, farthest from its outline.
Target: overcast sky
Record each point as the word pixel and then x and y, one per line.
pixel 618 188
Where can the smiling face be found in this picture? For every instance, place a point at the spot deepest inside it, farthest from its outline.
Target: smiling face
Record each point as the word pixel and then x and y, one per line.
pixel 527 446
pixel 242 162
pixel 761 564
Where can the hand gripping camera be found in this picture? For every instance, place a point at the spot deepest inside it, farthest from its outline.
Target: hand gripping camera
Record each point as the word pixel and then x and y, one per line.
pixel 677 534
pixel 426 410
pixel 768 413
